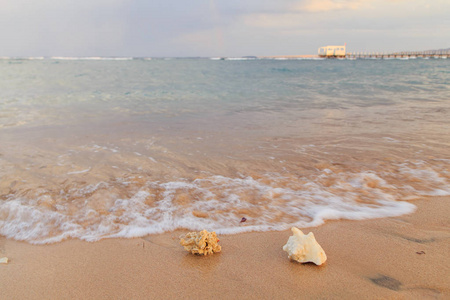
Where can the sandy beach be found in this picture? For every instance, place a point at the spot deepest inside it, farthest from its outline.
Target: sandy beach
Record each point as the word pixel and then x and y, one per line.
pixel 403 257
pixel 118 152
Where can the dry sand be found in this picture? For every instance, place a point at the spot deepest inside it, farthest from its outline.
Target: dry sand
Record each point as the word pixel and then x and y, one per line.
pixel 405 257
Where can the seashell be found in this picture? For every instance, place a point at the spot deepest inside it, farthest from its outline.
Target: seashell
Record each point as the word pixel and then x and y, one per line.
pixel 304 248
pixel 3 260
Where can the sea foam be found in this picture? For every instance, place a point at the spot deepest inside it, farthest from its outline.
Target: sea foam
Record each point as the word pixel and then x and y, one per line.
pixel 270 202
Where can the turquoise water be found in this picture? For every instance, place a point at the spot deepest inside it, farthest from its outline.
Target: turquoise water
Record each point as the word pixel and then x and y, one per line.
pixel 36 92
pixel 122 148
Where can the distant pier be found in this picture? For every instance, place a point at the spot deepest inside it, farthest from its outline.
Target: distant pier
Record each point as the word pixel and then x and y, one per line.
pixel 340 51
pixel 406 55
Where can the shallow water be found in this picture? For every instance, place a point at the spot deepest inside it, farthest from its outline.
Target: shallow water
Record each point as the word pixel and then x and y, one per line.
pixel 95 149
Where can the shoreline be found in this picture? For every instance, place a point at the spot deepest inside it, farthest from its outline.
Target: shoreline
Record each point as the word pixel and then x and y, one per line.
pixel 395 257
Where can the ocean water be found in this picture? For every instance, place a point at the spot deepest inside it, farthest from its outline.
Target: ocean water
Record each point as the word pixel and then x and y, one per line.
pixel 97 148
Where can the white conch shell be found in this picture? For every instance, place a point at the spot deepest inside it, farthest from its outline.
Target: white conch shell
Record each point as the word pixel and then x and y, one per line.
pixel 304 248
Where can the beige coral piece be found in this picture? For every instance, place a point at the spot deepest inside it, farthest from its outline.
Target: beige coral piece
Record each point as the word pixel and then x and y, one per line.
pixel 202 243
pixel 304 248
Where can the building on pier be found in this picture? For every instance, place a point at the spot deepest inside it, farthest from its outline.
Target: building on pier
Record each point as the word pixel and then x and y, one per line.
pixel 332 51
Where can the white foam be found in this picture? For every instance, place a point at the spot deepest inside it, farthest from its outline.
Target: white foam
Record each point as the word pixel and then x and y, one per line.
pixel 275 202
pixel 89 58
pixel 240 58
pixel 79 172
pixel 389 139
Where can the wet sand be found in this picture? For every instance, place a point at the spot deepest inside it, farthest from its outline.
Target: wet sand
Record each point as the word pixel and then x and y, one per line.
pixel 402 257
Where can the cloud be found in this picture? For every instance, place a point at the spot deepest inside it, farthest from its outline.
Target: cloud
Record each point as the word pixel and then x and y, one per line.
pixel 209 41
pixel 54 28
pixel 20 7
pixel 316 6
pixel 273 21
pixel 214 27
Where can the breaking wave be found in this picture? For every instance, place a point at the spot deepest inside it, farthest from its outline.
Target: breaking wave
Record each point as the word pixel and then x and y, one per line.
pixel 134 206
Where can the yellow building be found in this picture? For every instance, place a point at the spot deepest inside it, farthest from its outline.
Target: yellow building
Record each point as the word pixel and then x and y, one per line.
pixel 332 51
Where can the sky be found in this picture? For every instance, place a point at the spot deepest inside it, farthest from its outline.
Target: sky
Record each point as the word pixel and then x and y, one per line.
pixel 209 28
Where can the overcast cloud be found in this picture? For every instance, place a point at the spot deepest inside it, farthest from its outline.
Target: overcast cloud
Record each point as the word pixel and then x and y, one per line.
pixel 218 28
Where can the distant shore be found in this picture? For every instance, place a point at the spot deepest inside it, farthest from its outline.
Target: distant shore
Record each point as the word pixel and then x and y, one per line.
pixel 291 56
pixel 401 257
